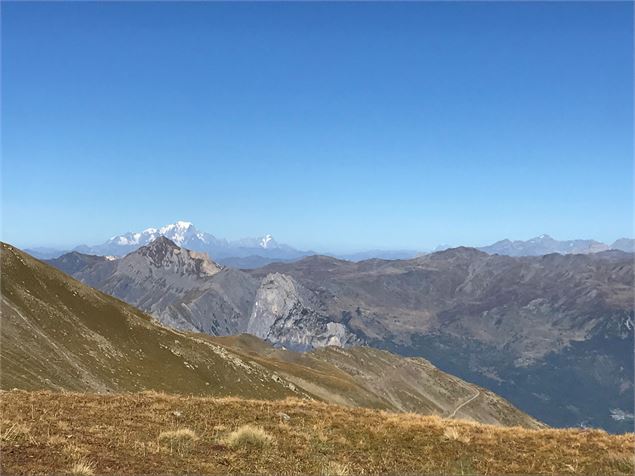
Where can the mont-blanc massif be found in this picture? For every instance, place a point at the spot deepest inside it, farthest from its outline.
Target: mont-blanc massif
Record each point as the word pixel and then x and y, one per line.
pixel 317 238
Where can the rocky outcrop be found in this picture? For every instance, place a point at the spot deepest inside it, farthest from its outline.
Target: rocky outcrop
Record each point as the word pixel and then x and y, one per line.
pixel 285 313
pixel 165 255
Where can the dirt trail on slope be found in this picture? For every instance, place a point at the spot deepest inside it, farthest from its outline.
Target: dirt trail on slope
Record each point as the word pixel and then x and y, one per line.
pixel 472 398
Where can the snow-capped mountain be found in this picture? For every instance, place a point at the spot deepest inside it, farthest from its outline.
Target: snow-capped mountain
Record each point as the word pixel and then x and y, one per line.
pixel 186 235
pixel 266 242
pixel 179 232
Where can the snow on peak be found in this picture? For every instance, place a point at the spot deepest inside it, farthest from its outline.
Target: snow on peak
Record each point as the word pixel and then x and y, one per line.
pixel 127 239
pixel 178 232
pixel 184 234
pixel 179 225
pixel 543 237
pixel 264 242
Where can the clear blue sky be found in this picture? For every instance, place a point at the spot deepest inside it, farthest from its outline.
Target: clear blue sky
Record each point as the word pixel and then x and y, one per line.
pixel 331 126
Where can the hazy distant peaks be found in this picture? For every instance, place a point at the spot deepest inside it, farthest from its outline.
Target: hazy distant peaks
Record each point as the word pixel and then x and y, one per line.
pixel 543 237
pixel 624 244
pixel 258 251
pixel 542 245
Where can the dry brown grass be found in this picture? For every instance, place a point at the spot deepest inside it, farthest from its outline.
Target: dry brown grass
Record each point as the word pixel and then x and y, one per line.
pixel 55 440
pixel 333 468
pixel 74 451
pixel 248 435
pixel 453 433
pixel 82 468
pixel 120 435
pixel 15 432
pixel 179 440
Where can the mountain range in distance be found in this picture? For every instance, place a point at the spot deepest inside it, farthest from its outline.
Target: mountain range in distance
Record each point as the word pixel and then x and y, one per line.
pixel 553 334
pixel 185 234
pixel 59 334
pixel 249 253
pixel 545 244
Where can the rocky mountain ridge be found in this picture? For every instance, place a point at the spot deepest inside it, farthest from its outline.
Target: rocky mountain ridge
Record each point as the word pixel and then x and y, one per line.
pixel 186 290
pixel 552 333
pixel 60 334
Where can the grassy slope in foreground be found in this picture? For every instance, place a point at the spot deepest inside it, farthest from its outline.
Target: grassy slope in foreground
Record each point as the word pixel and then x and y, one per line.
pixel 45 432
pixel 60 334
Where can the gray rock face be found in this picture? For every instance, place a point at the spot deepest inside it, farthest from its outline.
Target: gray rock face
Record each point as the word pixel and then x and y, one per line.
pixel 164 260
pixel 284 313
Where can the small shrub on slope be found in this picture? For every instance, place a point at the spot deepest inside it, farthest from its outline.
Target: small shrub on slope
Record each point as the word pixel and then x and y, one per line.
pixel 333 468
pixel 180 439
pixel 452 433
pixel 248 435
pixel 82 468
